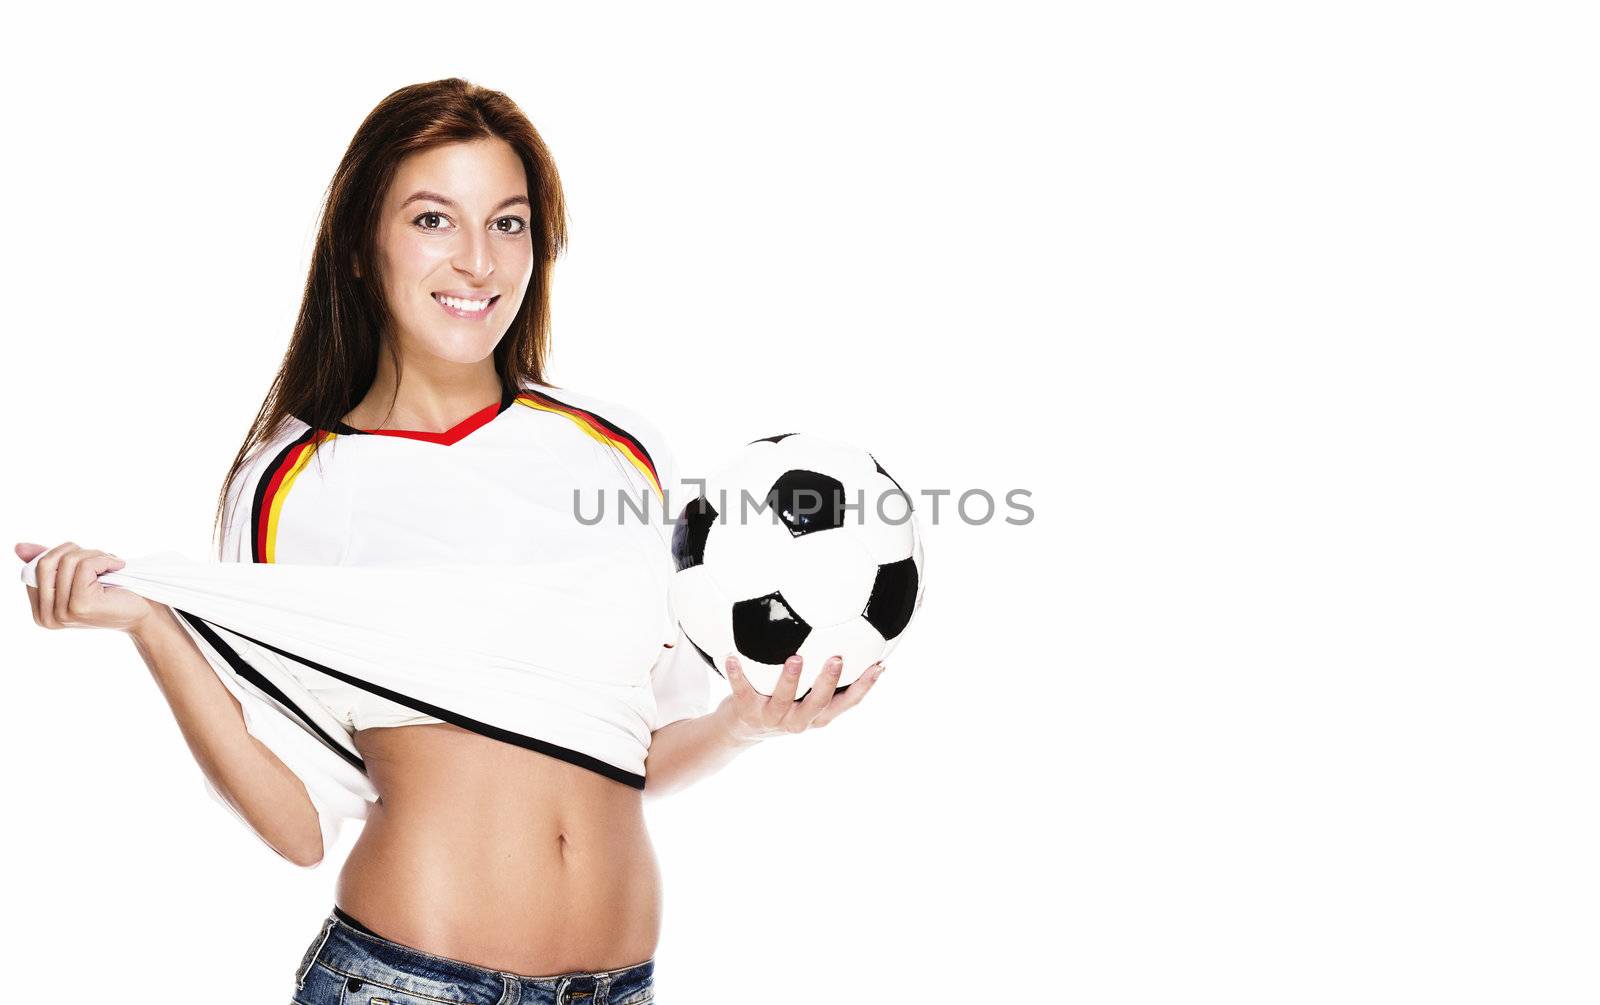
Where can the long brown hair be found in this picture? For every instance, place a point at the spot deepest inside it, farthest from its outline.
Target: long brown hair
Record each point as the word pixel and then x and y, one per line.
pixel 333 355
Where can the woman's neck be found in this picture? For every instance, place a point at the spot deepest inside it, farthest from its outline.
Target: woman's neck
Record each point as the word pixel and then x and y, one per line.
pixel 424 403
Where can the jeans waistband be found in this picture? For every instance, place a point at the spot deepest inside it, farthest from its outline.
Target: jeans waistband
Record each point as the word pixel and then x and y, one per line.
pixel 356 951
pixel 342 915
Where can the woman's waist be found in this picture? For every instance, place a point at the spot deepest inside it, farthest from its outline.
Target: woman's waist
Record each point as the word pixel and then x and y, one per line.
pixel 523 882
pixel 524 899
pixel 360 958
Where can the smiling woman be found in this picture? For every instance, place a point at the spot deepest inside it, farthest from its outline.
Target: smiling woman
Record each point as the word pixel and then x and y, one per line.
pixel 417 629
pixel 504 852
pixel 448 214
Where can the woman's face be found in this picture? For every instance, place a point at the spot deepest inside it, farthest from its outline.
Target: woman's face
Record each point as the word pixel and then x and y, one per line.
pixel 455 224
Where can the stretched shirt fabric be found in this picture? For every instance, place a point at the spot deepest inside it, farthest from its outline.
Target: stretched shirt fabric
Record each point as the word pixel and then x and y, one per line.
pixel 509 575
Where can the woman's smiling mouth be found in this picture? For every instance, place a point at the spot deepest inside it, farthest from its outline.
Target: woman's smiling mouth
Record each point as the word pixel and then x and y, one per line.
pixel 462 307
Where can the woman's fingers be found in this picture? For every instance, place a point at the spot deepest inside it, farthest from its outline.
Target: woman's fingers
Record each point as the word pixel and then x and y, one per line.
pixel 818 698
pixel 742 688
pixel 852 695
pixel 45 573
pixel 71 592
pixel 69 583
pixel 788 684
pixel 86 586
pixel 26 550
pixel 66 569
pixel 780 713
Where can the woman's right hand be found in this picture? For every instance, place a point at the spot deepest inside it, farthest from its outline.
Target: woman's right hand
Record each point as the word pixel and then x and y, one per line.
pixel 70 595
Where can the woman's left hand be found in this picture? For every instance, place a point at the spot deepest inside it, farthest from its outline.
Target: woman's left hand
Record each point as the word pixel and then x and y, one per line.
pixel 756 716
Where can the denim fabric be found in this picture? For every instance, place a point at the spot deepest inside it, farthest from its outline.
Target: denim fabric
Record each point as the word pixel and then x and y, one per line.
pixel 348 964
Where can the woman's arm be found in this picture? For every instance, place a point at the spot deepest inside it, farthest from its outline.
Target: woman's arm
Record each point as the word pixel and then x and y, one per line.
pixel 685 751
pixel 265 793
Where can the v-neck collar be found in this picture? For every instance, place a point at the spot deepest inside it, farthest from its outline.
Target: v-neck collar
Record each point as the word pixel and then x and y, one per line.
pixel 454 434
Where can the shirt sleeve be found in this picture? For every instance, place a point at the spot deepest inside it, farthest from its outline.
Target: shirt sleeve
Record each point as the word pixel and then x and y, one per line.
pixel 681 682
pixel 336 787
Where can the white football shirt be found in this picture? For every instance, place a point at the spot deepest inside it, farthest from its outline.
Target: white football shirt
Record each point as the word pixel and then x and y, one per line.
pixel 509 575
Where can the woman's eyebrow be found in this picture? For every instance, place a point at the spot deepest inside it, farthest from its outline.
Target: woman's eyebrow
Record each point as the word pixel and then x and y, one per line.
pixel 436 197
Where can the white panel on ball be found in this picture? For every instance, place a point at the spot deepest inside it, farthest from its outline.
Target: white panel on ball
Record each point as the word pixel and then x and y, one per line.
pixel 702 611
pixel 857 641
pixel 827 576
pixel 754 468
pixel 884 540
pixel 747 560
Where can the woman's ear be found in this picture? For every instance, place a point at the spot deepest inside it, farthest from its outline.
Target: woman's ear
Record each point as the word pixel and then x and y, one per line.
pixel 355 263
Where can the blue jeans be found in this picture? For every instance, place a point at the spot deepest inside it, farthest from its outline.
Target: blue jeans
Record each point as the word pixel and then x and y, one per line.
pixel 348 963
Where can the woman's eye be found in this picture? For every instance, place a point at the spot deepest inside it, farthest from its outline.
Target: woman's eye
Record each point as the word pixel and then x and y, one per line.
pixel 521 224
pixel 428 216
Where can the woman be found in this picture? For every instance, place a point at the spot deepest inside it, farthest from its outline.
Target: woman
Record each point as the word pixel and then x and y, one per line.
pixel 486 871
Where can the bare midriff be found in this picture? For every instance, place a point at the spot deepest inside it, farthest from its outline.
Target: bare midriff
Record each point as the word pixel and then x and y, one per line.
pixel 485 852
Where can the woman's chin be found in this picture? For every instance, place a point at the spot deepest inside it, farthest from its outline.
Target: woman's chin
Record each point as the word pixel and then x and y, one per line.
pixel 461 347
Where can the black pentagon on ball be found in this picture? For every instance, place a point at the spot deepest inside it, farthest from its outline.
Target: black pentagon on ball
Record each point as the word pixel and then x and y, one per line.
pixel 770 439
pixel 689 533
pixel 807 501
pixel 894 596
pixel 767 629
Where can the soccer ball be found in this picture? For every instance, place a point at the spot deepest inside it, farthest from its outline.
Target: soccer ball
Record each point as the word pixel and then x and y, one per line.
pixel 799 544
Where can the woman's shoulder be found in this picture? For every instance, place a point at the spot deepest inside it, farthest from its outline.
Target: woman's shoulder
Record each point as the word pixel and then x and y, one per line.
pixel 609 414
pixel 277 499
pixel 291 442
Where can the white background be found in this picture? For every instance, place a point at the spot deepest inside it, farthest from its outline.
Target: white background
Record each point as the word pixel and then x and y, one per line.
pixel 1284 314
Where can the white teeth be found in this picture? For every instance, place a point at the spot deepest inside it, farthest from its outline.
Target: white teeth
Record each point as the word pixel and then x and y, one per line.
pixel 463 305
